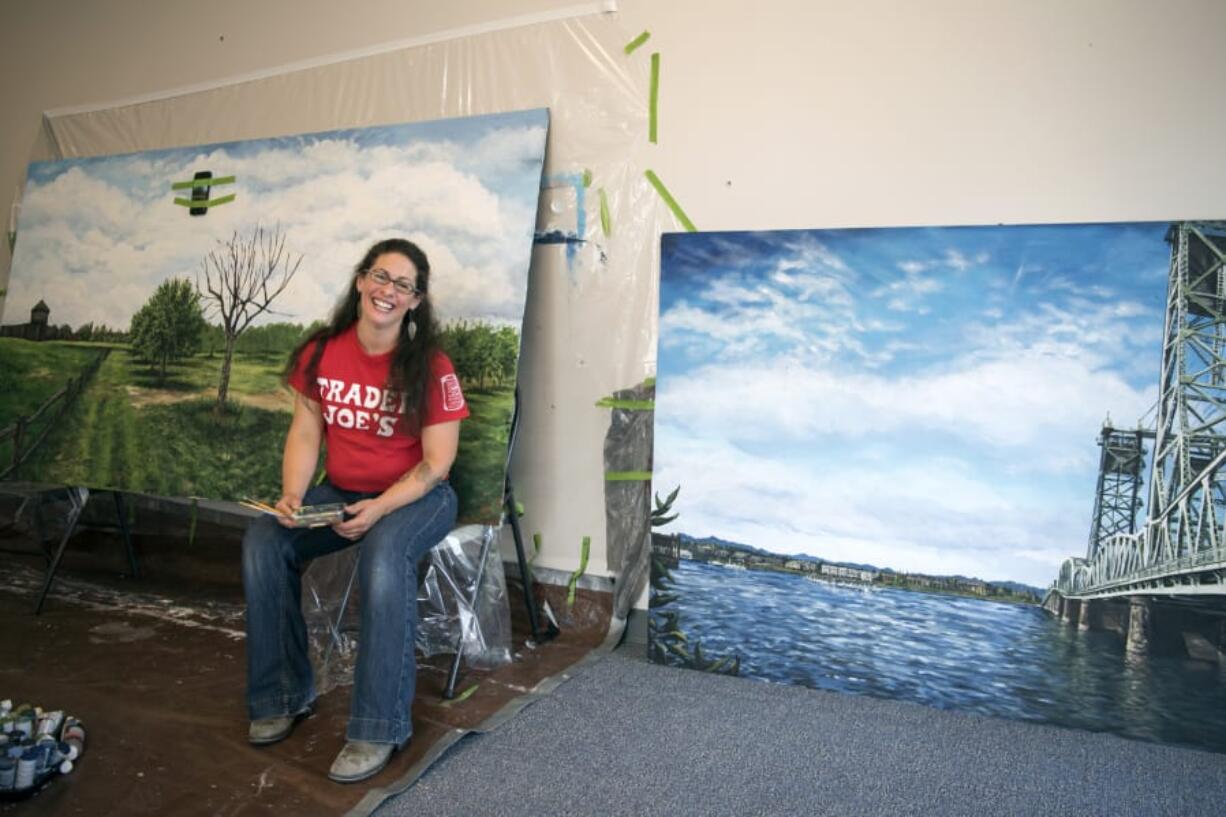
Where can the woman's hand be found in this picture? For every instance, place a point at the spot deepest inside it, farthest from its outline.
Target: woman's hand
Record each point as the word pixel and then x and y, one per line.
pixel 287 505
pixel 364 514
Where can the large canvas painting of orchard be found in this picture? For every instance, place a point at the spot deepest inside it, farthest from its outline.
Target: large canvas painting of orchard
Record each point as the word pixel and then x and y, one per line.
pixel 154 297
pixel 942 465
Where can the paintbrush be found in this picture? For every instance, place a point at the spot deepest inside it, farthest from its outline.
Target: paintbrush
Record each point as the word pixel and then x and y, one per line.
pixel 262 507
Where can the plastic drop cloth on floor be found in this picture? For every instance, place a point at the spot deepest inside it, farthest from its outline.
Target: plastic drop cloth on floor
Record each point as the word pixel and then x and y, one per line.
pixel 447 577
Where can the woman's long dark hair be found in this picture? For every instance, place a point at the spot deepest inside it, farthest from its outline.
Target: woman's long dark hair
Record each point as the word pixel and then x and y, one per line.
pixel 410 372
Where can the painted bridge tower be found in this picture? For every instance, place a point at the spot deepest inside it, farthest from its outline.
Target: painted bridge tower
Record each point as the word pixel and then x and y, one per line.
pixel 1117 498
pixel 1187 503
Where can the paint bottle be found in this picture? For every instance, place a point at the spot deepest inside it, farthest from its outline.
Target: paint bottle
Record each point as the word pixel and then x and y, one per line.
pixel 6 706
pixel 42 763
pixel 50 723
pixel 26 767
pixel 8 774
pixel 74 736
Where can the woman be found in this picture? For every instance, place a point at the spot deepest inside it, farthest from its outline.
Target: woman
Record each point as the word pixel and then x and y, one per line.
pixel 375 388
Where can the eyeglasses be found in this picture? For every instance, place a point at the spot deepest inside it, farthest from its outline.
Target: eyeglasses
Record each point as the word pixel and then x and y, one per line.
pixel 402 285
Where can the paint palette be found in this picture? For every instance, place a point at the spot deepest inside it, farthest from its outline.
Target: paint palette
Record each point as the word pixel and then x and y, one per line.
pixel 316 516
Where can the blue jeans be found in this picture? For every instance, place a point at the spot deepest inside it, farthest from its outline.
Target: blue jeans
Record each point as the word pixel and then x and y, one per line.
pixel 279 677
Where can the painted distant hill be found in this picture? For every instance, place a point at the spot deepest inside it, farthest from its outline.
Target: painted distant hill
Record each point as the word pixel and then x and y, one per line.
pixel 1016 587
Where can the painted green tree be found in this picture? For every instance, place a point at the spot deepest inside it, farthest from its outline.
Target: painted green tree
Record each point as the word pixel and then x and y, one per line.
pixel 169 325
pixel 483 357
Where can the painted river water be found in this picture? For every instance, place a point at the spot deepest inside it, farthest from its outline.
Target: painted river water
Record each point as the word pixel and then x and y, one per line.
pixel 949 652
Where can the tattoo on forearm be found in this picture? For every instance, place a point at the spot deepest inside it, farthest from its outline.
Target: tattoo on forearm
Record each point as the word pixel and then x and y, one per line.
pixel 423 472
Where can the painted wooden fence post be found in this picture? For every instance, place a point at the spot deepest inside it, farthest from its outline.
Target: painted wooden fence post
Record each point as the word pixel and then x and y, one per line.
pixel 18 433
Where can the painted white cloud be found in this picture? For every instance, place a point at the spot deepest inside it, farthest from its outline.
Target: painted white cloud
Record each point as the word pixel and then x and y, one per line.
pixel 1037 403
pixel 933 518
pixel 94 246
pixel 963 445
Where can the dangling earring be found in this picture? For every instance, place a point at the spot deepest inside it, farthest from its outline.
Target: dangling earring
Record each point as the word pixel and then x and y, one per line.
pixel 411 328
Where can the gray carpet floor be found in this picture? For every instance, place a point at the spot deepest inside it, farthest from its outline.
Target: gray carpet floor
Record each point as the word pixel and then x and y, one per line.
pixel 625 737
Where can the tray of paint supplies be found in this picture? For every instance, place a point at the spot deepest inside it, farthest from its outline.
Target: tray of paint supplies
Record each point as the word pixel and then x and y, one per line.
pixel 308 516
pixel 35 746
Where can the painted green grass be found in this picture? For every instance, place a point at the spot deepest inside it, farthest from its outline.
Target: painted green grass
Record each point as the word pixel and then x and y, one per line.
pixel 133 432
pixel 479 468
pixel 249 374
pixel 32 373
pixel 175 447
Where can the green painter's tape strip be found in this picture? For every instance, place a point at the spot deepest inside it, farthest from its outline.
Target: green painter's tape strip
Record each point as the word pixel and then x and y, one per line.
pixel 670 201
pixel 653 117
pixel 606 222
pixel 202 183
pixel 633 405
pixel 636 42
pixel 206 204
pixel 585 550
pixel 627 476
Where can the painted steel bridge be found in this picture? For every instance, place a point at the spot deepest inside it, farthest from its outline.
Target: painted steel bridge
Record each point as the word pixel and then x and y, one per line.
pixel 1179 549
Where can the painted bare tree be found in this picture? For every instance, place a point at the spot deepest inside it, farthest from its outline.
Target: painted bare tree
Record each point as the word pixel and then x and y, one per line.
pixel 239 279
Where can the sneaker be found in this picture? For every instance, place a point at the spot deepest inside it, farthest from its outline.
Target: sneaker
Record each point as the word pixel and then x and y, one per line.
pixel 359 760
pixel 264 731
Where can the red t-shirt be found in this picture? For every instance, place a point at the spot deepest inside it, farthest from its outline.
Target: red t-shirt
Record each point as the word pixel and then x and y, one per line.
pixel 368 448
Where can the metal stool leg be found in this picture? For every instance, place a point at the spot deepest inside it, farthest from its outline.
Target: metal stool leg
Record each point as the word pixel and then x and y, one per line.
pixel 487 541
pixel 340 613
pixel 77 497
pixel 121 511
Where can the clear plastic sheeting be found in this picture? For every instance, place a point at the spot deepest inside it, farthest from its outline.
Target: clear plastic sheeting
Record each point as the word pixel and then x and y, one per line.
pixel 591 316
pixel 445 595
pixel 446 606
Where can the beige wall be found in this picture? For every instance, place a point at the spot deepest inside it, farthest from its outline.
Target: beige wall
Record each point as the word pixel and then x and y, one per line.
pixel 780 113
pixel 885 112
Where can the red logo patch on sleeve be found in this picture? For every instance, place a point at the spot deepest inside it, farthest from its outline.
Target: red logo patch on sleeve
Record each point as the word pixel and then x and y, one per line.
pixel 453 398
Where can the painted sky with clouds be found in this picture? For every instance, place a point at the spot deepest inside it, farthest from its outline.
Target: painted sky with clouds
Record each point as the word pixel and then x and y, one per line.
pixel 96 236
pixel 924 399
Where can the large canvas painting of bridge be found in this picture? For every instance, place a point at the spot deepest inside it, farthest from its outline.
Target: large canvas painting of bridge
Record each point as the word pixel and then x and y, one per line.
pixel 970 467
pixel 154 297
